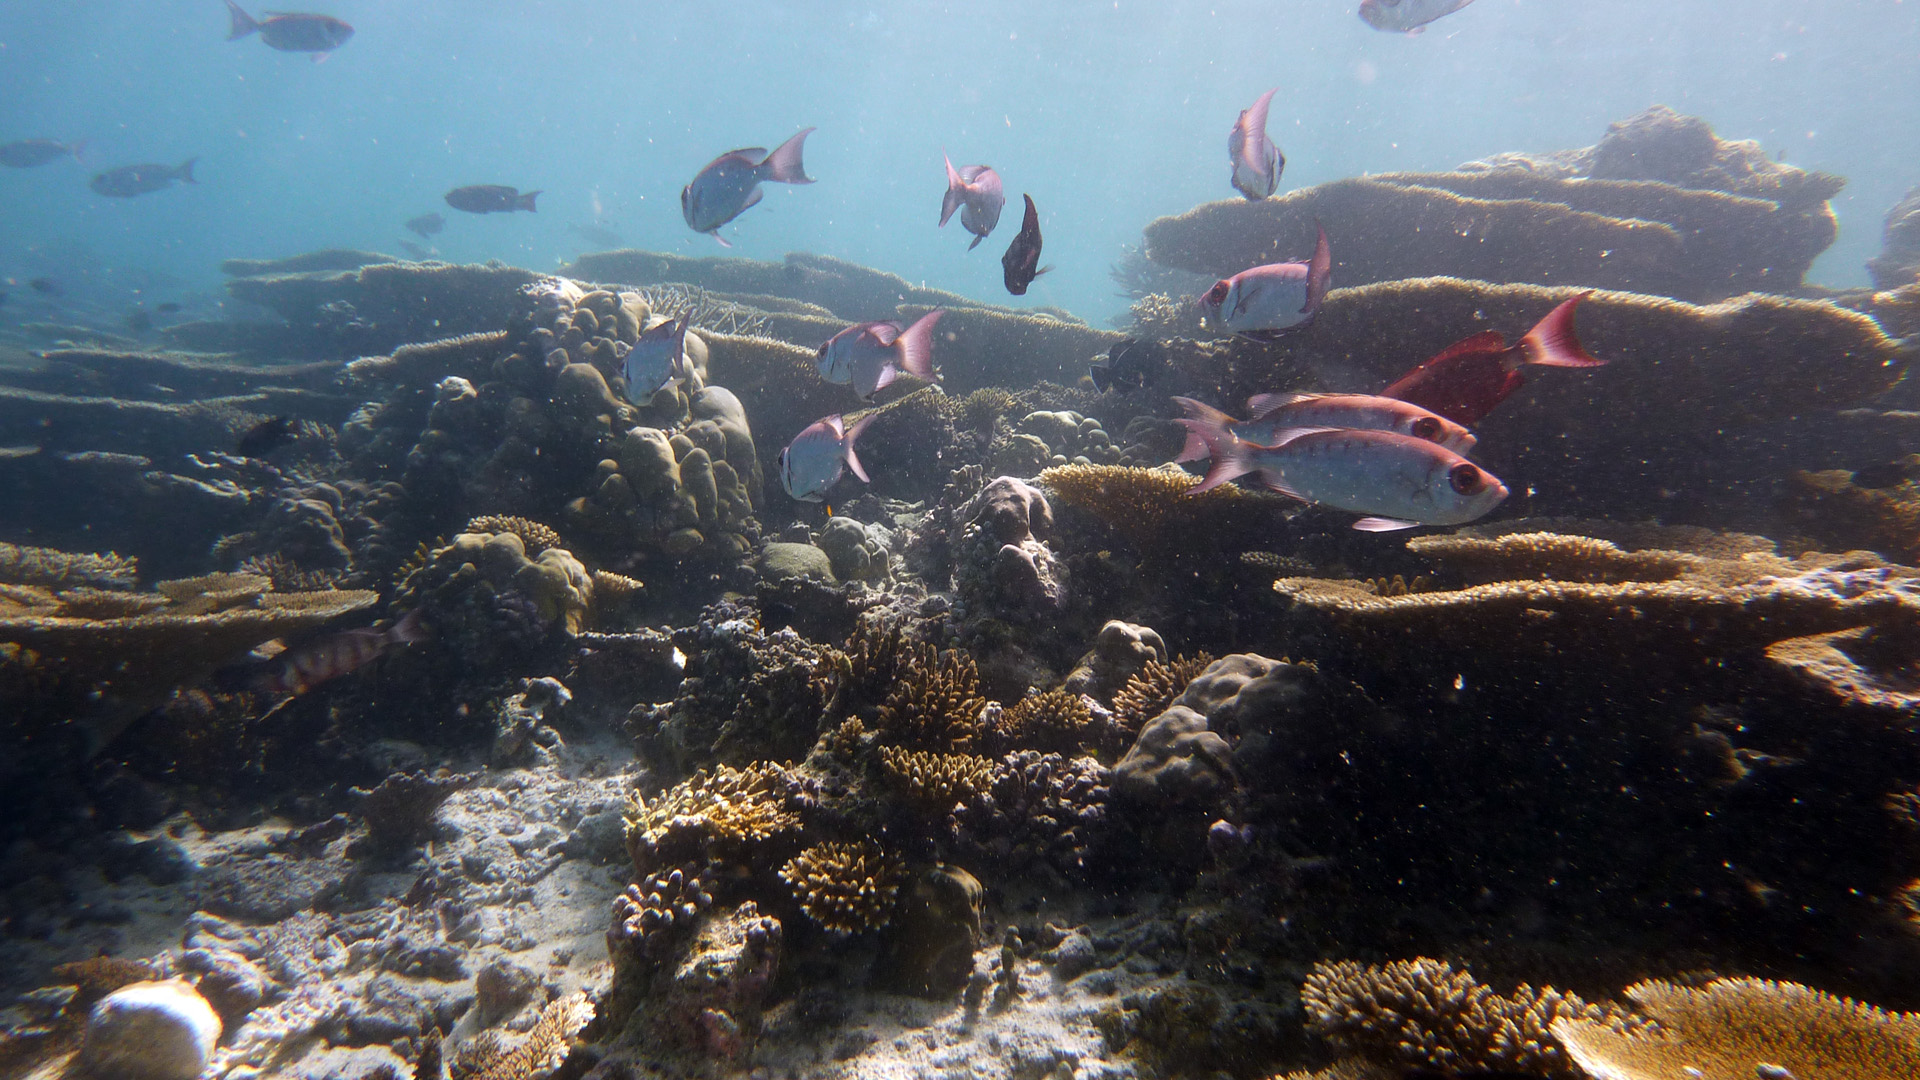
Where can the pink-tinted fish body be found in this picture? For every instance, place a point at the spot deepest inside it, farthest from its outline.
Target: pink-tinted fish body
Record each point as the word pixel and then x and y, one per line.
pixel 1208 428
pixel 1257 162
pixel 869 356
pixel 976 192
pixel 1266 301
pixel 1396 480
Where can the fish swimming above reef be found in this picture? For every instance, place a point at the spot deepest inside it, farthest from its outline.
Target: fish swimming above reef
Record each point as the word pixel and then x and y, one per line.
pixel 1257 162
pixel 731 183
pixel 599 236
pixel 1264 302
pixel 975 191
pixel 46 286
pixel 1017 266
pixel 420 254
pixel 657 360
pixel 427 225
pixel 139 320
pixel 869 356
pixel 817 457
pixel 167 307
pixel 1211 432
pixel 1132 364
pixel 1396 480
pixel 265 437
pixel 1407 16
pixel 339 654
pixel 291 31
pixel 490 199
pixel 128 181
pixel 31 153
pixel 1468 378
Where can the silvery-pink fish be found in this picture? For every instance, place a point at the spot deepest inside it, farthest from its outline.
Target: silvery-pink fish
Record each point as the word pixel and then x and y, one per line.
pixel 1262 302
pixel 1210 431
pixel 1407 16
pixel 656 361
pixel 1396 480
pixel 731 183
pixel 817 457
pixel 977 189
pixel 869 356
pixel 1257 162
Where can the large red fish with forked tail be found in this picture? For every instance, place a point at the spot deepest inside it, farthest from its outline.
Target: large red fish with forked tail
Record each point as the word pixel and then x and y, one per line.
pixel 1468 378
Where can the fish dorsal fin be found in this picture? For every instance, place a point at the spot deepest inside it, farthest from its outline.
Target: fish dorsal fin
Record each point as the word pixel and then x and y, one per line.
pixel 1384 524
pixel 1287 435
pixel 1262 404
pixel 1486 341
pixel 883 332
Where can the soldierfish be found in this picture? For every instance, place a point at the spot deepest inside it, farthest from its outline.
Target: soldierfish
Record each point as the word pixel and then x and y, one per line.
pixel 1263 302
pixel 491 199
pixel 1408 16
pixel 1467 379
pixel 817 457
pixel 28 153
pixel 977 188
pixel 1210 432
pixel 657 360
pixel 869 356
pixel 1257 162
pixel 731 183
pixel 1396 480
pixel 291 32
pixel 1021 264
pixel 128 181
pixel 331 657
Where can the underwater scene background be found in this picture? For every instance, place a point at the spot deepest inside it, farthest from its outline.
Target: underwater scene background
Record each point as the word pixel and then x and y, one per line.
pixel 497 583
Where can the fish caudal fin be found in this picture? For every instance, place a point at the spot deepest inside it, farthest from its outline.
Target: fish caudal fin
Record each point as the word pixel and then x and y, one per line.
pixel 784 163
pixel 1231 462
pixel 853 460
pixel 185 171
pixel 1207 432
pixel 1319 273
pixel 1551 342
pixel 915 345
pixel 243 23
pixel 956 195
pixel 409 630
pixel 525 201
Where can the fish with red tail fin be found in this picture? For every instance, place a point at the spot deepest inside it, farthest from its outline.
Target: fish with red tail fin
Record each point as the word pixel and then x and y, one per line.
pixel 1396 480
pixel 1023 255
pixel 1468 378
pixel 302 669
pixel 869 356
pixel 1266 301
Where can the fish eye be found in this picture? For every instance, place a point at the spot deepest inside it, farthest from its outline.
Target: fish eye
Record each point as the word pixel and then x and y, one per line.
pixel 1218 294
pixel 1466 478
pixel 1428 428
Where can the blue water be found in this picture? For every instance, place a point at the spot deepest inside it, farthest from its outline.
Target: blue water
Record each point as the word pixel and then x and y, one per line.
pixel 1109 113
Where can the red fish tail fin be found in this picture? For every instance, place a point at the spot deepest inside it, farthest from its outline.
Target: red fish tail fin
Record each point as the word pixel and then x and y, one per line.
pixel 853 433
pixel 525 201
pixel 1551 342
pixel 784 163
pixel 1319 272
pixel 243 23
pixel 1230 461
pixel 915 344
pixel 185 171
pixel 1207 430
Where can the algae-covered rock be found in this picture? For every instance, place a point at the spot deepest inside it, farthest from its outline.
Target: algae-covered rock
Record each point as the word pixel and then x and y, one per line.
pixel 779 561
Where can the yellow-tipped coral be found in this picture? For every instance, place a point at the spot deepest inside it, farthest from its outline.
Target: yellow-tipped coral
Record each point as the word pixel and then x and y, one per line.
pixel 846 888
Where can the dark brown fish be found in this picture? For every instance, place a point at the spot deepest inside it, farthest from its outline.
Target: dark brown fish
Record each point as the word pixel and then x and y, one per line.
pixel 291 31
pixel 28 153
pixel 1019 263
pixel 427 224
pixel 266 436
pixel 490 199
pixel 46 287
pixel 129 180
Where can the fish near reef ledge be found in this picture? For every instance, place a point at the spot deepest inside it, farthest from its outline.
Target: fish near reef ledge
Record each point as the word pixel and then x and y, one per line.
pixel 731 183
pixel 1396 480
pixel 1468 378
pixel 1023 255
pixel 490 199
pixel 265 437
pixel 977 189
pixel 1257 162
pixel 1265 301
pixel 29 153
pixel 339 654
pixel 291 31
pixel 427 224
pixel 128 181
pixel 817 457
pixel 869 356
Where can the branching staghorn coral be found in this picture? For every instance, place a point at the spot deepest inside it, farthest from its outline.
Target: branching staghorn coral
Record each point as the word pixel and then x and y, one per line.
pixel 535 536
pixel 1148 694
pixel 1054 721
pixel 935 703
pixel 710 813
pixel 493 1055
pixel 935 781
pixel 846 888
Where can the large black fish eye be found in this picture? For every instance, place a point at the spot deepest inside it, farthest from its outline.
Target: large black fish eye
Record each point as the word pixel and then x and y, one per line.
pixel 1427 428
pixel 1466 478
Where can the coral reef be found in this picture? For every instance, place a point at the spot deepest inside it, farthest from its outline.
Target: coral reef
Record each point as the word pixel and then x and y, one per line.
pixel 713 815
pixel 536 1055
pixel 1150 508
pixel 935 703
pixel 1056 721
pixel 1898 263
pixel 488 601
pixel 936 781
pixel 845 888
pixel 1830 508
pixel 1044 815
pixel 1003 565
pixel 1155 687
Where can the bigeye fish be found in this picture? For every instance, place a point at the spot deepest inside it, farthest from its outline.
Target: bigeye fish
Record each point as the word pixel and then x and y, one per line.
pixel 1407 16
pixel 1263 302
pixel 1210 432
pixel 291 32
pixel 30 153
pixel 817 457
pixel 977 188
pixel 128 181
pixel 731 183
pixel 1020 265
pixel 1468 378
pixel 1396 480
pixel 657 360
pixel 1257 162
pixel 491 199
pixel 869 356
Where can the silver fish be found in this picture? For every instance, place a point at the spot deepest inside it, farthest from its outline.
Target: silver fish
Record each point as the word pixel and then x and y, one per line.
pixel 1262 302
pixel 869 356
pixel 1396 480
pixel 1209 430
pixel 1257 162
pixel 657 360
pixel 1407 16
pixel 977 189
pixel 731 183
pixel 817 457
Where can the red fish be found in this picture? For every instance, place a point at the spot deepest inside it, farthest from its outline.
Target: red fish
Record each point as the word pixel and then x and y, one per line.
pixel 331 657
pixel 1468 378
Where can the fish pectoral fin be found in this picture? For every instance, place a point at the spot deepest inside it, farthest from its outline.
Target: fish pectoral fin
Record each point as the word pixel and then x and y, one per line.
pixel 1384 524
pixel 715 233
pixel 753 198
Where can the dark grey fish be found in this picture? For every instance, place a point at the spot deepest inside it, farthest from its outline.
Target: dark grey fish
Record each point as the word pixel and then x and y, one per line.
pixel 266 436
pixel 599 236
pixel 1888 474
pixel 46 287
pixel 1021 264
pixel 167 308
pixel 291 31
pixel 1130 365
pixel 490 199
pixel 128 181
pixel 731 183
pixel 427 224
pixel 139 320
pixel 28 153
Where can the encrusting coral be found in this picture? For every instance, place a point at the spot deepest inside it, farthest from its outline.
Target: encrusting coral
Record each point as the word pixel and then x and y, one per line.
pixel 1736 1029
pixel 846 888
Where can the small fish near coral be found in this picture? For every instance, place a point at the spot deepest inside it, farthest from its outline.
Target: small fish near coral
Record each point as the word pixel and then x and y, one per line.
pixel 1257 162
pixel 976 188
pixel 33 153
pixel 427 225
pixel 291 31
pixel 816 458
pixel 1396 480
pixel 265 437
pixel 1407 16
pixel 1018 265
pixel 1209 431
pixel 128 181
pixel 730 183
pixel 657 360
pixel 1132 364
pixel 302 669
pixel 1464 381
pixel 869 356
pixel 490 199
pixel 1266 301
